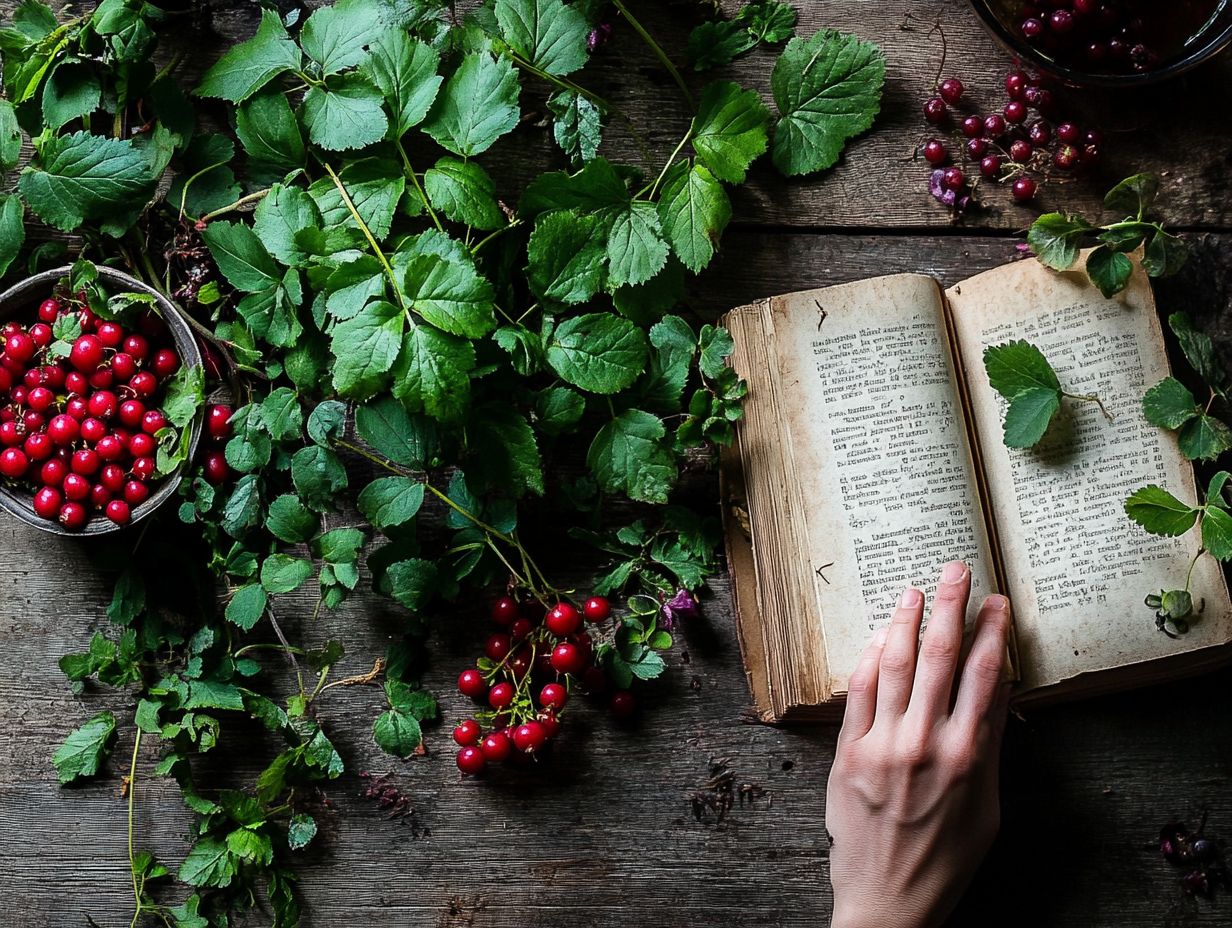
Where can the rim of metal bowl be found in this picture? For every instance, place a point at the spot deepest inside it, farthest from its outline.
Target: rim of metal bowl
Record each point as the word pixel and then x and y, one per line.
pixel 1218 42
pixel 28 294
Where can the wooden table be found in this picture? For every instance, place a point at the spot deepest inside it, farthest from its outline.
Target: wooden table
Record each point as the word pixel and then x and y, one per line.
pixel 617 829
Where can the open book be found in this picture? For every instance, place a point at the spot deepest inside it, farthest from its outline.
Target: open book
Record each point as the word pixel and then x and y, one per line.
pixel 871 453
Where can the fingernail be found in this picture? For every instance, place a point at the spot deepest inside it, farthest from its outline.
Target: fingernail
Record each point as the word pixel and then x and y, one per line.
pixel 879 639
pixel 911 597
pixel 997 602
pixel 953 572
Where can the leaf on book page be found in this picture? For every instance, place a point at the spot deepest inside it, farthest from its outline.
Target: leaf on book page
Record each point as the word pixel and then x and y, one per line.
pixel 1169 404
pixel 1217 533
pixel 1018 366
pixel 1204 438
pixel 1159 512
pixel 1028 415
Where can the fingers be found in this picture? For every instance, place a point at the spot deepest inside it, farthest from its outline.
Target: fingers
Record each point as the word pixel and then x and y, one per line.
pixel 897 668
pixel 985 666
pixel 862 691
pixel 942 644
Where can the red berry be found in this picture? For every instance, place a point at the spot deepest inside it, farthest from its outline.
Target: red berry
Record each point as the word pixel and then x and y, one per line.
pixel 597 609
pixel 496 746
pixel 143 468
pixel 153 422
pixel 49 309
pixel 501 695
pixel 1023 189
pixel 100 496
pixel 563 620
pixel 1032 27
pixel 994 126
pixel 47 502
pixel 1015 112
pixel 934 151
pixel 216 468
pixel 110 334
pixel 953 179
pixel 550 723
pixel 166 362
pixel 951 90
pixel 553 696
pixel 1068 132
pixel 75 382
pixel 52 472
pixel 136 492
pixel 73 516
pixel 520 628
pixel 471 760
pixel 1066 157
pixel 53 377
pixel 110 448
pixel 101 379
pixel 76 487
pixel 504 610
pixel 990 166
pixel 92 429
pixel 6 380
pixel 497 647
pixel 143 383
pixel 41 335
pixel 1020 151
pixel 972 127
pixel 141 445
pixel 33 421
pixel 19 347
pixel 103 404
pixel 32 378
pixel 1039 132
pixel 124 366
pixel 467 733
pixel 112 477
pixel 623 704
pixel 529 737
pixel 89 321
pixel 137 347
pixel 11 433
pixel 935 110
pixel 39 446
pixel 1062 21
pixel 118 512
pixel 85 462
pixel 218 422
pixel 132 412
pixel 40 399
pixel 977 148
pixel 13 462
pixel 1015 84
pixel 568 658
pixel 472 684
pixel 86 354
pixel 152 325
pixel 63 429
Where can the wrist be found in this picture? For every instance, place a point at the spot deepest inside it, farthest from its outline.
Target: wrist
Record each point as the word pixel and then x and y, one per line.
pixel 871 917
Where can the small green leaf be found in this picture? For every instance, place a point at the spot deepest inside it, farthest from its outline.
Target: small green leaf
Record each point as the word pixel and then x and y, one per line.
pixel 290 520
pixel 267 129
pixel 714 44
pixel 365 349
pixel 598 352
pixel 388 502
pixel 550 34
pixel 209 863
pixel 85 749
pixel 336 37
pixel 1204 438
pixel 1199 351
pixel 1159 512
pixel 729 130
pixel 1017 366
pixel 566 252
pixel 464 192
pixel 281 573
pixel 432 373
pixel 1165 255
pixel 628 456
pixel 247 606
pixel 1109 270
pixel 1133 196
pixel 636 251
pixel 1217 533
pixel 300 831
pixel 412 582
pixel 82 176
pixel 344 114
pixel 405 439
pixel 1169 404
pixel 404 70
pixel 1028 415
pixel 246 68
pixel 694 210
pixel 450 294
pixel 397 733
pixel 241 256
pixel 1055 239
pixel 477 105
pixel 577 125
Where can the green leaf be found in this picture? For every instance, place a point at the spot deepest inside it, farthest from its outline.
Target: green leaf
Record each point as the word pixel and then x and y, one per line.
pixel 1028 415
pixel 729 130
pixel 675 346
pixel 247 606
pixel 450 294
pixel 85 749
pixel 82 176
pixel 558 409
pixel 281 573
pixel 565 254
pixel 464 192
pixel 694 210
pixel 246 68
pixel 404 439
pixel 595 188
pixel 1199 351
pixel 577 125
pixel 1055 239
pixel 550 34
pixel 340 546
pixel 290 520
pixel 1133 196
pixel 1217 533
pixel 365 349
pixel 412 582
pixel 300 831
pixel 504 458
pixel 209 863
pixel 1017 366
pixel 12 229
pixel 828 89
pixel 281 414
pixel 205 181
pixel 241 257
pixel 636 251
pixel 344 114
pixel 318 476
pixel 628 456
pixel 72 92
pixel 477 105
pixel 1204 438
pixel 1109 270
pixel 432 373
pixel 715 344
pixel 717 43
pixel 10 137
pixel 281 214
pixel 598 352
pixel 1165 255
pixel 251 846
pixel 404 70
pixel 769 21
pixel 243 506
pixel 1159 512
pixel 327 422
pixel 267 130
pixel 397 733
pixel 1169 404
pixel 374 185
pixel 335 37
pixel 388 502
pixel 1214 489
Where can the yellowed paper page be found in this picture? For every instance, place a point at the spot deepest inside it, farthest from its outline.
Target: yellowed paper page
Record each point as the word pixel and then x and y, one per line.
pixel 880 450
pixel 1076 567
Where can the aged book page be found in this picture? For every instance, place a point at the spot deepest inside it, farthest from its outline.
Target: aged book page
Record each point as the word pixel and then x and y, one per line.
pixel 879 447
pixel 1076 568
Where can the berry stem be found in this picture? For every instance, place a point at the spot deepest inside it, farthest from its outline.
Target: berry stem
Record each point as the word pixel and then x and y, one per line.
pixel 658 51
pixel 1091 398
pixel 242 201
pixel 132 797
pixel 671 159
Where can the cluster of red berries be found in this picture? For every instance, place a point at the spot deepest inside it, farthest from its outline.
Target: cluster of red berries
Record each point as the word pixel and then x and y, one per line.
pixel 1100 35
pixel 530 669
pixel 1026 137
pixel 217 431
pixel 81 430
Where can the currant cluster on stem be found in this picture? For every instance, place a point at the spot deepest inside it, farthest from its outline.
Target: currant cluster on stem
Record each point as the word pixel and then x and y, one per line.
pixel 1112 36
pixel 217 432
pixel 80 423
pixel 531 668
pixel 1024 142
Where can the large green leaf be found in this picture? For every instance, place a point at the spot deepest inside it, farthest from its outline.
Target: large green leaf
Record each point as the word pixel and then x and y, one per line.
pixel 404 70
pixel 598 352
pixel 729 130
pixel 246 68
pixel 432 373
pixel 628 456
pixel 82 176
pixel 694 210
pixel 365 348
pixel 550 34
pixel 477 105
pixel 344 114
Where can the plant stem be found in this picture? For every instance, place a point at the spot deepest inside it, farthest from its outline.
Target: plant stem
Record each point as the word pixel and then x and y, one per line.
pixel 414 178
pixel 242 201
pixel 363 227
pixel 1091 398
pixel 132 795
pixel 671 159
pixel 658 51
pixel 267 646
pixel 1192 564
pixel 491 235
pixel 560 82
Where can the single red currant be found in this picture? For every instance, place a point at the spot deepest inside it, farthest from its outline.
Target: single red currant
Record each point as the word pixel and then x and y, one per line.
pixel 568 658
pixel 153 422
pixel 496 746
pixel 596 609
pixel 1015 84
pixel 136 492
pixel 111 334
pixel 100 496
pixel 47 502
pixel 110 448
pixel 1068 132
pixel 1015 112
pixel 39 446
pixel 103 404
pixel 63 429
pixel 102 378
pixel 52 472
pixel 20 347
pixel 977 148
pixel 49 309
pixel 86 354
pixel 40 399
pixel 143 468
pixel 1020 151
pixel 216 468
pixel 92 429
pixel 553 696
pixel 550 723
pixel 953 179
pixel 497 647
pixel 218 422
pixel 990 166
pixel 33 421
pixel 13 462
pixel 934 151
pixel 124 366
pixel 471 760
pixel 472 684
pixel 143 383
pixel 562 620
pixel 76 487
pixel 467 733
pixel 132 412
pixel 504 611
pixel 994 125
pixel 76 383
pixel 521 627
pixel 623 704
pixel 41 335
pixel 118 512
pixel 12 433
pixel 73 516
pixel 85 462
pixel 112 477
pixel 529 737
pixel 1039 132
pixel 951 90
pixel 501 695
pixel 166 362
pixel 935 110
pixel 1023 189
pixel 137 347
pixel 141 445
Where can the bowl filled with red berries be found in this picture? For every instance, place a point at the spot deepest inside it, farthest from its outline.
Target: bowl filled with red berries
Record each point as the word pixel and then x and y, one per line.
pixel 1110 43
pixel 100 392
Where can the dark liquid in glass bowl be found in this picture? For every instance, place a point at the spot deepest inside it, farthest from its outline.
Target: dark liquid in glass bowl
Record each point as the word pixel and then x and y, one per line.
pixel 1113 36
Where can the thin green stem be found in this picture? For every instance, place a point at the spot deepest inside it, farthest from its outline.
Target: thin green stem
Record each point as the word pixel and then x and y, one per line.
pixel 560 82
pixel 242 201
pixel 671 159
pixel 414 178
pixel 1192 564
pixel 188 183
pixel 363 227
pixel 1091 398
pixel 168 67
pixel 658 51
pixel 132 795
pixel 491 235
pixel 268 646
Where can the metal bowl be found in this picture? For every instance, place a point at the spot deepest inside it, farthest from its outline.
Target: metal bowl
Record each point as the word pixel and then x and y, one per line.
pixel 1214 39
pixel 22 299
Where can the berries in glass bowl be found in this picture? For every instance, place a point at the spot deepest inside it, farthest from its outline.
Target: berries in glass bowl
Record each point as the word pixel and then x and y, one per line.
pixel 97 413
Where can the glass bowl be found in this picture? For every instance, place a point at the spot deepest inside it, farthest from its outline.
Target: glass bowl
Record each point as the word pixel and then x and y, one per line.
pixel 1002 19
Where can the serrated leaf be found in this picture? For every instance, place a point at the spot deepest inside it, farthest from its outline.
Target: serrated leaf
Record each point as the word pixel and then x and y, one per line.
pixel 558 409
pixel 344 114
pixel 577 125
pixel 1165 255
pixel 1028 415
pixel 12 229
pixel 1017 366
pixel 694 210
pixel 828 89
pixel 1169 404
pixel 1204 438
pixel 565 253
pixel 365 348
pixel 247 605
pixel 85 749
pixel 82 176
pixel 205 181
pixel 1055 239
pixel 432 373
pixel 388 502
pixel 247 67
pixel 1199 351
pixel 550 34
pixel 10 137
pixel 675 346
pixel 636 251
pixel 397 733
pixel 290 520
pixel 628 456
pixel 404 70
pixel 327 422
pixel 336 37
pixel 71 92
pixel 477 105
pixel 412 582
pixel 504 458
pixel 300 831
pixel 318 475
pixel 598 352
pixel 1217 533
pixel 729 130
pixel 284 212
pixel 374 185
pixel 209 863
pixel 1159 512
pixel 405 439
pixel 266 128
pixel 595 188
pixel 1134 195
pixel 241 257
pixel 450 294
pixel 464 192
pixel 1109 270
pixel 281 573
pixel 717 43
pixel 769 21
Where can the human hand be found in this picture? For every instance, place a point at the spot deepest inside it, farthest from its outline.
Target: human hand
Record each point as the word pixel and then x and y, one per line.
pixel 912 805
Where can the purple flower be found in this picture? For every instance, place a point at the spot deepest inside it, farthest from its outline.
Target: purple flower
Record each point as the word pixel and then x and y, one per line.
pixel 949 197
pixel 598 36
pixel 683 606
